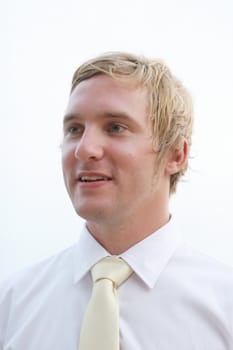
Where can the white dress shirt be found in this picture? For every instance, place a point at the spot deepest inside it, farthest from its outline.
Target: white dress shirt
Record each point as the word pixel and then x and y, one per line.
pixel 177 298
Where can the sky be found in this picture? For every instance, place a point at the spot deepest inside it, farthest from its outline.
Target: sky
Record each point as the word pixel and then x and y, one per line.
pixel 42 43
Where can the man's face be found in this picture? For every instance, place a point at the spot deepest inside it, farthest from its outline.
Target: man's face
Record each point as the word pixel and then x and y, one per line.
pixel 109 164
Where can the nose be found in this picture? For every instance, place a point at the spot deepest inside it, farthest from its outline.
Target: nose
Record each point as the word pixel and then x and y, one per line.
pixel 90 146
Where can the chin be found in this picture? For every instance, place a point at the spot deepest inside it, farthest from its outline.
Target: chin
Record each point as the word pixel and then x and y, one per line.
pixel 91 213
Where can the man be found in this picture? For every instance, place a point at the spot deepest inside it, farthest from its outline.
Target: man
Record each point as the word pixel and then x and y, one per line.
pixel 127 133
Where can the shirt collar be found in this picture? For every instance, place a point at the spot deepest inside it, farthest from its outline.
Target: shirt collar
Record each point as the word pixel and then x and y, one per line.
pixel 150 257
pixel 147 258
pixel 86 254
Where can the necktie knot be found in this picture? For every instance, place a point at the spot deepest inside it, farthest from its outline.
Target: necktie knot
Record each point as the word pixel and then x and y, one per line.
pixel 114 269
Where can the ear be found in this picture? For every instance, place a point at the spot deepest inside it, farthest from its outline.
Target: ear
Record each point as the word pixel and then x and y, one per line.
pixel 177 158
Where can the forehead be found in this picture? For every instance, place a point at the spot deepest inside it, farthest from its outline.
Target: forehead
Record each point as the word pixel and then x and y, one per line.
pixel 105 92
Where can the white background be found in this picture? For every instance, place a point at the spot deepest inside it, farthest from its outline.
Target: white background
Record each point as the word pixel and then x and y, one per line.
pixel 42 44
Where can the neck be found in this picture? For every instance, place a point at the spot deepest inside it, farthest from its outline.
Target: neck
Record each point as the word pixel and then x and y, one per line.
pixel 117 237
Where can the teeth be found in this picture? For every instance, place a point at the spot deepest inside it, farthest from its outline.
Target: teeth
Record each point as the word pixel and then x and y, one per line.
pixel 92 178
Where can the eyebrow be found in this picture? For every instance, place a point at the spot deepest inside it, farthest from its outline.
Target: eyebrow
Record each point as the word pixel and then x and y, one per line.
pixel 68 117
pixel 111 115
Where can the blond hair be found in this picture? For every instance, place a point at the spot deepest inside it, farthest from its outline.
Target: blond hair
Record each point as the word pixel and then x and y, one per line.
pixel 169 103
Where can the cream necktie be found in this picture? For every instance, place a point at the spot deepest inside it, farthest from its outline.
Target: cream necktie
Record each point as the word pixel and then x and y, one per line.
pixel 100 328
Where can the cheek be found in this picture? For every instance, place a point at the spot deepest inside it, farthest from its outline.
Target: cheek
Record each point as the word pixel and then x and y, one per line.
pixel 67 155
pixel 67 160
pixel 128 162
pixel 132 170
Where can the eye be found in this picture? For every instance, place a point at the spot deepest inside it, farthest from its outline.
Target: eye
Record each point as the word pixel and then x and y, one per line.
pixel 74 129
pixel 116 128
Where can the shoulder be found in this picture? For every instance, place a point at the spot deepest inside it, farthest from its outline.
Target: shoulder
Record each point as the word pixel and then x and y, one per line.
pixel 28 285
pixel 28 293
pixel 199 263
pixel 40 271
pixel 203 278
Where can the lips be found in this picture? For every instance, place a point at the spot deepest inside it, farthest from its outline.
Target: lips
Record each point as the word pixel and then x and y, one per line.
pixel 93 177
